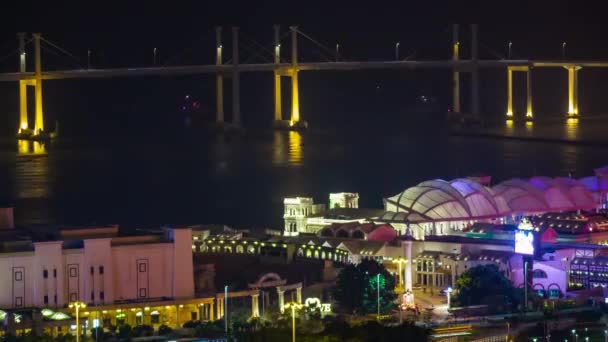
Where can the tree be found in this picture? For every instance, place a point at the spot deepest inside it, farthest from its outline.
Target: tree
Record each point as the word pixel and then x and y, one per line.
pixel 357 287
pixel 485 284
pixel 164 330
pixel 125 332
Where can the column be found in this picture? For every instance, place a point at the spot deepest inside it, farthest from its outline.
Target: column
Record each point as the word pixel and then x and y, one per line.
pixel 39 121
pixel 576 70
pixel 23 122
pixel 529 114
pixel 474 72
pixel 570 91
pixel 299 295
pixel 255 308
pixel 408 265
pixel 236 79
pixel 509 93
pixel 220 307
pixel 456 80
pixel 278 115
pixel 211 311
pixel 219 81
pixel 295 96
pixel 281 294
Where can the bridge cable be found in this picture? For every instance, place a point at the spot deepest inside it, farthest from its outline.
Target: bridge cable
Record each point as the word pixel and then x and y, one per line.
pixel 76 59
pixel 328 50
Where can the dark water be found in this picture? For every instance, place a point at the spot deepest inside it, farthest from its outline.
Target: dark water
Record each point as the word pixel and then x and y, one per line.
pixel 207 178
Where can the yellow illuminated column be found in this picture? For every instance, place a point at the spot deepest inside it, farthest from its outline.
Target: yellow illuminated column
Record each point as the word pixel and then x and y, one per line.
pixel 77 306
pixel 219 81
pixel 576 70
pixel 570 91
pixel 456 80
pixel 295 97
pixel 255 309
pixel 39 121
pixel 509 92
pixel 293 306
pixel 529 114
pixel 278 115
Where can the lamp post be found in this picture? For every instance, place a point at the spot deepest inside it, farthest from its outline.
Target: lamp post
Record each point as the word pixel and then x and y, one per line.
pixel 378 293
pixel 605 335
pixel 77 306
pixel 508 332
pixel 564 50
pixel 509 53
pixel 293 306
pixel 397 51
pixel 337 51
pixel 226 310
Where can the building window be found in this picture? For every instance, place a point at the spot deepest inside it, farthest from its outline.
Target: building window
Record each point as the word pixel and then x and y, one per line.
pixel 73 297
pixel 73 272
pixel 539 274
pixel 18 302
pixel 92 295
pixel 54 273
pixel 101 295
pixel 92 270
pixel 18 276
pixel 100 269
pixel 55 299
pixel 142 267
pixel 143 292
pixel 155 318
pixel 45 274
pixel 46 299
pixel 193 315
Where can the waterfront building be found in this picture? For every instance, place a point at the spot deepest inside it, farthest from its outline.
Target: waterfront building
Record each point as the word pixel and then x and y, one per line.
pixel 141 277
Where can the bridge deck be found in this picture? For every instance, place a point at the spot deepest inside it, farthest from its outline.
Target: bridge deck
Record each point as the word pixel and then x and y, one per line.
pixel 463 65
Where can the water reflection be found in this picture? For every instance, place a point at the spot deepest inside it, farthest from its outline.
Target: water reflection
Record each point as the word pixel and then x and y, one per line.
pixel 287 148
pixel 529 128
pixel 32 176
pixel 26 147
pixel 572 129
pixel 509 127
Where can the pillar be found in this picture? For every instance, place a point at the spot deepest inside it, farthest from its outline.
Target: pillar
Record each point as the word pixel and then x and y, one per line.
pixel 529 114
pixel 295 96
pixel 219 80
pixel 255 307
pixel 299 295
pixel 576 70
pixel 281 294
pixel 571 91
pixel 23 122
pixel 278 115
pixel 474 72
pixel 39 121
pixel 456 80
pixel 211 311
pixel 408 265
pixel 236 79
pixel 509 92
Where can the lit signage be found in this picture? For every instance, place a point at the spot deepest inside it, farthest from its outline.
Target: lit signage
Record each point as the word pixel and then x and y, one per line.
pixel 524 242
pixel 314 304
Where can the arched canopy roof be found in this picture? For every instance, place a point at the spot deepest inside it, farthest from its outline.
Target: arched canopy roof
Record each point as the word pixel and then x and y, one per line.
pixel 465 199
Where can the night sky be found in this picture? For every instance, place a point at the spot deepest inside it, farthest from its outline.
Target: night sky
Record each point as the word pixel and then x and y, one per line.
pixel 183 34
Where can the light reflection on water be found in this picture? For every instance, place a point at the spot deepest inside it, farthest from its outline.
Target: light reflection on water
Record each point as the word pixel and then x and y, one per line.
pixel 287 148
pixel 572 129
pixel 32 170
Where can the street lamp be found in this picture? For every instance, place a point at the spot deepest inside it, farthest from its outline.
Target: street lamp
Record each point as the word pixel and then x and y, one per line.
pixel 509 54
pixel 293 306
pixel 397 51
pixel 378 293
pixel 77 306
pixel 337 51
pixel 564 50
pixel 605 335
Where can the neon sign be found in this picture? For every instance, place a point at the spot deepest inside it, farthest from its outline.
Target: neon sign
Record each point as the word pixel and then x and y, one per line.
pixel 524 242
pixel 313 304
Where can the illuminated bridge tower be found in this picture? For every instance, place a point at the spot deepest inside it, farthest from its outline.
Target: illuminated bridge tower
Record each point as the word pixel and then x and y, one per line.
pixel 219 78
pixel 25 131
pixel 527 70
pixel 295 121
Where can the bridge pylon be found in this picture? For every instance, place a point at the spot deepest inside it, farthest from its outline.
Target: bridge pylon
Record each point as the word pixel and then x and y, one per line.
pixel 24 131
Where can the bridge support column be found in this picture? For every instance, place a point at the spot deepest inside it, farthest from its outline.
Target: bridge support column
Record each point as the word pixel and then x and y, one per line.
pixel 529 113
pixel 456 73
pixel 236 79
pixel 295 96
pixel 474 72
pixel 509 93
pixel 39 120
pixel 278 115
pixel 219 80
pixel 573 90
pixel 23 121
